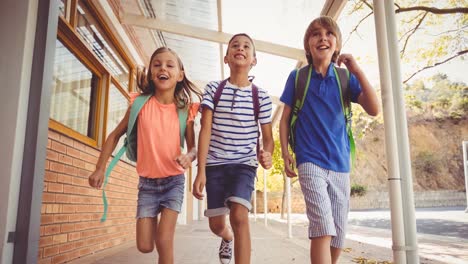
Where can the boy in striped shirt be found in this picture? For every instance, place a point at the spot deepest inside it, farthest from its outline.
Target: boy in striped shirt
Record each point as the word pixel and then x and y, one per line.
pixel 227 156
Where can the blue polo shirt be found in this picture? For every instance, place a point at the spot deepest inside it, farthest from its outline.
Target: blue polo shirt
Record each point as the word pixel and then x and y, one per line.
pixel 321 136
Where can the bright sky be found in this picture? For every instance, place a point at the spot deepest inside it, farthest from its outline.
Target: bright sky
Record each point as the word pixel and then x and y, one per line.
pixel 284 22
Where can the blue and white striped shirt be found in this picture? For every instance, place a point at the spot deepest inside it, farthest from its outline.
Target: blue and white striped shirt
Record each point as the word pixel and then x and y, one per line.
pixel 234 132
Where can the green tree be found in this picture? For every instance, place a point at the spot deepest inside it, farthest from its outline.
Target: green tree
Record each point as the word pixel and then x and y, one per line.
pixel 431 32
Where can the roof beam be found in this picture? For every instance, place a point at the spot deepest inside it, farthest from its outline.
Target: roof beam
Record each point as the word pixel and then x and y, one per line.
pixel 333 8
pixel 206 34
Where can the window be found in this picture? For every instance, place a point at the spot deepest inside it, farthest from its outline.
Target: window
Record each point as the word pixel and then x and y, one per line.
pixel 90 69
pixel 90 31
pixel 74 91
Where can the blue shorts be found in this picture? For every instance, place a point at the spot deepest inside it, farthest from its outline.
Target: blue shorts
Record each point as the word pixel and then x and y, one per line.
pixel 226 184
pixel 156 194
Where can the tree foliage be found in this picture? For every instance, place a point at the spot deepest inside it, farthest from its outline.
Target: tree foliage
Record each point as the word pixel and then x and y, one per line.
pixel 431 33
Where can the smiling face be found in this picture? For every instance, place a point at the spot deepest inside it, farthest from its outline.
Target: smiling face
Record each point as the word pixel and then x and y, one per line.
pixel 322 44
pixel 322 41
pixel 165 70
pixel 240 52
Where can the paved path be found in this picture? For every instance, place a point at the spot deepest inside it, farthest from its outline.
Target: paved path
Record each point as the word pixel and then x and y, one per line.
pixel 194 244
pixel 442 239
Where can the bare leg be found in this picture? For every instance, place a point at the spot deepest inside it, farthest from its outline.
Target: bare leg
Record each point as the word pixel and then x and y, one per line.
pixel 218 227
pixel 145 233
pixel 320 250
pixel 240 225
pixel 165 236
pixel 335 254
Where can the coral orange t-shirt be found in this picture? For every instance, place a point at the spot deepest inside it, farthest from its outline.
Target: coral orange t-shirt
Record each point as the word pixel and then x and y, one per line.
pixel 158 138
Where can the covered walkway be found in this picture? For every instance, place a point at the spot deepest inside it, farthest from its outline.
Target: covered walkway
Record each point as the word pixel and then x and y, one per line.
pixel 369 239
pixel 194 244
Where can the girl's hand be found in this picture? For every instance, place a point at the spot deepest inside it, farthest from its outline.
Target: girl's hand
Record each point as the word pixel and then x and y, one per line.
pixel 198 186
pixel 349 62
pixel 185 160
pixel 265 159
pixel 289 165
pixel 96 179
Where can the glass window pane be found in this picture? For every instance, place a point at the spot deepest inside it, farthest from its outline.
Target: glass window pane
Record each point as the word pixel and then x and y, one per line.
pixel 62 8
pixel 91 32
pixel 117 106
pixel 74 88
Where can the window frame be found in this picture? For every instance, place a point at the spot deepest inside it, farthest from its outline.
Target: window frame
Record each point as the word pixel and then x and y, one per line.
pixel 70 38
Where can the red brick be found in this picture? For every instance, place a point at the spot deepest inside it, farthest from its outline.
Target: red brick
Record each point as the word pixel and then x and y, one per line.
pixel 55 187
pixel 62 238
pixel 48 197
pixel 50 176
pixel 52 229
pixel 62 178
pixel 65 159
pixel 51 251
pixel 45 261
pixel 66 228
pixel 46 241
pixel 53 135
pixel 61 218
pixel 63 197
pixel 72 152
pixel 47 219
pixel 78 163
pixel 66 140
pixel 52 155
pixel 59 259
pixel 59 147
pixel 74 236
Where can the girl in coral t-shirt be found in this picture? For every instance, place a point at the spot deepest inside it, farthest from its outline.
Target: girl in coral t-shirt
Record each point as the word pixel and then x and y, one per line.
pixel 160 161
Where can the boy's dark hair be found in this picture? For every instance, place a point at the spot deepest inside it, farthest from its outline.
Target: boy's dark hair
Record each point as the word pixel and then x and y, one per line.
pixel 245 35
pixel 184 89
pixel 328 23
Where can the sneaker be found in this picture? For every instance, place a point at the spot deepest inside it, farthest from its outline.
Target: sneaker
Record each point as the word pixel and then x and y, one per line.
pixel 225 251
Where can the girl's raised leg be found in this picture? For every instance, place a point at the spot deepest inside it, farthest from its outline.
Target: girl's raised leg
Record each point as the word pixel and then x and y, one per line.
pixel 145 233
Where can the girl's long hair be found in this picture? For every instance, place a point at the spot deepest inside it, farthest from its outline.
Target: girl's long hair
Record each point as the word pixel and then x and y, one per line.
pixel 184 89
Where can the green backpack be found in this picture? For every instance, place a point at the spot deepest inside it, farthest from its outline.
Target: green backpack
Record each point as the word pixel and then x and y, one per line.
pixel 130 142
pixel 301 86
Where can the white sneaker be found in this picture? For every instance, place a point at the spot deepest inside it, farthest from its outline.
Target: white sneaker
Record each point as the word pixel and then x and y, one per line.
pixel 225 251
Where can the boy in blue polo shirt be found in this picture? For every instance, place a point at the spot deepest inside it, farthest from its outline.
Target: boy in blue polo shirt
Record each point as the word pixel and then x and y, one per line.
pixel 321 141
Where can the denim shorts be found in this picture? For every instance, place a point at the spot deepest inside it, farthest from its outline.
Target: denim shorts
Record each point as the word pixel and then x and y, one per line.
pixel 156 194
pixel 226 184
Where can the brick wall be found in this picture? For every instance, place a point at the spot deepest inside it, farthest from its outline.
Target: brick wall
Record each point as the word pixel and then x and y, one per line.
pixel 71 210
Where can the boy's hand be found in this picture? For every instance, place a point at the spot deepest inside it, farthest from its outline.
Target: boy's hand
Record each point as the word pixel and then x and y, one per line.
pixel 185 160
pixel 349 62
pixel 265 159
pixel 198 186
pixel 289 165
pixel 96 179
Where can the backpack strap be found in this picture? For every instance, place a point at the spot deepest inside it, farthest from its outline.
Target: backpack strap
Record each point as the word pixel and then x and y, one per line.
pixel 219 91
pixel 134 111
pixel 301 86
pixel 182 113
pixel 342 76
pixel 256 108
